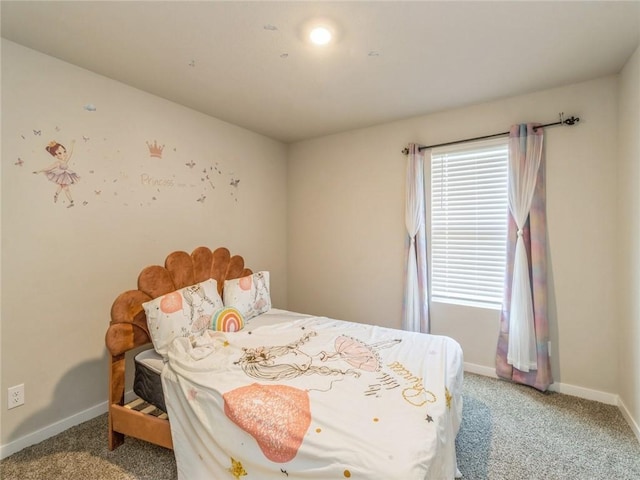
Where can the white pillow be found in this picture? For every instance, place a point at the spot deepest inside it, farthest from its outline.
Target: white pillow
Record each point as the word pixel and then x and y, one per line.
pixel 182 313
pixel 249 295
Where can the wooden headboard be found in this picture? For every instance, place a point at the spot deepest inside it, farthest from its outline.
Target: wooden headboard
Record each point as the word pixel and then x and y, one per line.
pixel 128 329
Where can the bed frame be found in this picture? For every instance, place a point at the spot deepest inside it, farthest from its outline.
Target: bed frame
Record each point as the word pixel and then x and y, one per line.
pixel 128 330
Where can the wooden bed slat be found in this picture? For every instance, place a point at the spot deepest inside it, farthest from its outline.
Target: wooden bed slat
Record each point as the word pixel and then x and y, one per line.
pixel 133 405
pixel 139 425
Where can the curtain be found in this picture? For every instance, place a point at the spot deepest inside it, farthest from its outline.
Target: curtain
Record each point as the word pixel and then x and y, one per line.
pixel 415 307
pixel 523 354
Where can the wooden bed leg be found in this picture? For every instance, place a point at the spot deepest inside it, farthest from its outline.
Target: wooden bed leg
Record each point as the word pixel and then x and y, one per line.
pixel 115 438
pixel 116 395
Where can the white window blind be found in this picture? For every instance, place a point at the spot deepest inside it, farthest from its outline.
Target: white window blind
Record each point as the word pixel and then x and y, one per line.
pixel 469 205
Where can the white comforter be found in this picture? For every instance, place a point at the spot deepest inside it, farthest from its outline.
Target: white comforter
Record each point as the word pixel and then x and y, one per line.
pixel 295 396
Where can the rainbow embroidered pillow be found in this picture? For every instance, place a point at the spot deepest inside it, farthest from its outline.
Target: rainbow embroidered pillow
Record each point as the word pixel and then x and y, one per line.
pixel 227 319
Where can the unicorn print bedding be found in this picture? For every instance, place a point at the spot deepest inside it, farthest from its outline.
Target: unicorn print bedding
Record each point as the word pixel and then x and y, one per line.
pixel 293 396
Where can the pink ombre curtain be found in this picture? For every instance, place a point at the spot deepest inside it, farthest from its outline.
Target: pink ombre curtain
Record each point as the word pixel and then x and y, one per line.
pixel 415 307
pixel 524 309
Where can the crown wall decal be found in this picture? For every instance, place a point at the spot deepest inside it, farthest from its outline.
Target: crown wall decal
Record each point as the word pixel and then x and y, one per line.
pixel 155 150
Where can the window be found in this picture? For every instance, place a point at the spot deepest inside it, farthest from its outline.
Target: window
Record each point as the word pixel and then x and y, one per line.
pixel 469 205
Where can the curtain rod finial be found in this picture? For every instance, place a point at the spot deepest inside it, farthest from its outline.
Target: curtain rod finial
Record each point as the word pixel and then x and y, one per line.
pixel 571 120
pixel 405 151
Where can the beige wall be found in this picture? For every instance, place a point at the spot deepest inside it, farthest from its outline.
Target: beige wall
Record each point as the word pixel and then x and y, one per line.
pixel 629 238
pixel 346 228
pixel 328 224
pixel 63 267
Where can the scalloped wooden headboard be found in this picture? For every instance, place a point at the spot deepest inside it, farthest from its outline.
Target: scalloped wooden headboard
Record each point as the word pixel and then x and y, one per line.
pixel 128 327
pixel 128 330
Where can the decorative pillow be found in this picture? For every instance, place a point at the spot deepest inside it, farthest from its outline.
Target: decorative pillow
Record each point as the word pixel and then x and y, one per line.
pixel 227 319
pixel 250 294
pixel 182 313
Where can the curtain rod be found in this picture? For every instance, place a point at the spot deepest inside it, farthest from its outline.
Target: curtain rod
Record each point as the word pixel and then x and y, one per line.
pixel 568 121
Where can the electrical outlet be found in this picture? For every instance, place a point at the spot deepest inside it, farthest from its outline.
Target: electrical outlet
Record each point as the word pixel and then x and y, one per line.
pixel 16 396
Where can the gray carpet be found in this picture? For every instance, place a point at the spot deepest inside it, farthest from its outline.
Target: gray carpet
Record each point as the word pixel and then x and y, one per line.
pixel 509 432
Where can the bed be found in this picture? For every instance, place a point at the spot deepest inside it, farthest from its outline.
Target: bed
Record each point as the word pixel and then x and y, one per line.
pixel 252 391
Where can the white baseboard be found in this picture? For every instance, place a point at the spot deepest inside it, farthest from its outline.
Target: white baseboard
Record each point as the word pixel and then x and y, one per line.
pixel 56 428
pixel 632 423
pixel 581 392
pixel 586 393
pixel 480 370
pixel 53 429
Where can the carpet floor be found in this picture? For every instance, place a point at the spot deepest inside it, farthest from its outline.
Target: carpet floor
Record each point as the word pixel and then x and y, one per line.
pixel 508 432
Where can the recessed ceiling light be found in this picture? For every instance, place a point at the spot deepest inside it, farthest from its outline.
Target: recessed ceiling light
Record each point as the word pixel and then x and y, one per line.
pixel 320 35
pixel 319 31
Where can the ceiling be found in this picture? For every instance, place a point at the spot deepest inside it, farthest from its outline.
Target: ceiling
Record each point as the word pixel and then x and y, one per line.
pixel 248 63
